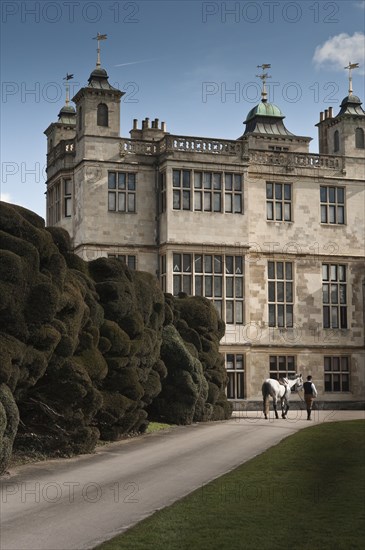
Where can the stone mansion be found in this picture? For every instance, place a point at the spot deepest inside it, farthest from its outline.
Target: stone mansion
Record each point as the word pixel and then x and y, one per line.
pixel 271 233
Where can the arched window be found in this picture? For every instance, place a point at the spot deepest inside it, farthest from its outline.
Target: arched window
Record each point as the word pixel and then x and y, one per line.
pixel 359 138
pixel 336 140
pixel 102 118
pixel 80 118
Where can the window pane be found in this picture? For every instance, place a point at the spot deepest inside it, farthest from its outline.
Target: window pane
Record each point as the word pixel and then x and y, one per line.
pixel 131 182
pixel 237 204
pixel 340 195
pixel 197 200
pixel 271 291
pixel 327 364
pixel 289 292
pixel 334 317
pixel 239 287
pixel 230 385
pixel 176 178
pixel 218 287
pixel 323 194
pixel 333 271
pixel 229 264
pixel 239 362
pixel 332 214
pixel 207 202
pixel 334 294
pixel 327 382
pixel 111 201
pixel 344 364
pixel 323 214
pixel 288 271
pixel 343 316
pixel 217 181
pixel 176 200
pixel 187 284
pixel 208 264
pixel 68 187
pixel 218 307
pixel 197 180
pixel 132 262
pixel 131 202
pixel 326 296
pixel 199 285
pixel 228 202
pixel 198 264
pixel 187 263
pixel 186 200
pixel 325 272
pixel 280 270
pixel 331 194
pixel 239 313
pixel 229 287
pixel 207 180
pixel 208 286
pixel 121 202
pixel 269 211
pixel 177 262
pixel 177 284
pixel 238 263
pixel 217 264
pixel 229 361
pixel 342 273
pixel 271 270
pixel 287 192
pixel 186 179
pixel 326 317
pixel 217 202
pixel 229 312
pixel 237 182
pixel 269 191
pixel 278 211
pixel 340 214
pixel 228 182
pixel 345 382
pixel 112 180
pixel 121 180
pixel 287 212
pixel 280 315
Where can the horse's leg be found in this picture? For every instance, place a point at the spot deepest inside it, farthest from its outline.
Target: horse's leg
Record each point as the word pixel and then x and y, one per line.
pixel 275 407
pixel 266 406
pixel 284 408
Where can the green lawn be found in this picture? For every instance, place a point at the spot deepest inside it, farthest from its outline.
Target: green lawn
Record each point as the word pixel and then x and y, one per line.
pixel 308 492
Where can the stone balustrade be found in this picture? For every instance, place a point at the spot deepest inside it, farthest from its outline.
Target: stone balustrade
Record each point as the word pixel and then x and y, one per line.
pixel 296 160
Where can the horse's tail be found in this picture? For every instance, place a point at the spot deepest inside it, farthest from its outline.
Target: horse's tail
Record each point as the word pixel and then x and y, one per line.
pixel 266 398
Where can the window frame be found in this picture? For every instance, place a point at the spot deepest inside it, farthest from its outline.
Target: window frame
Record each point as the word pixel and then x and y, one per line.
pixel 236 387
pixel 281 371
pixel 331 207
pixel 280 286
pixel 334 296
pixel 279 207
pixel 123 195
pixel 330 371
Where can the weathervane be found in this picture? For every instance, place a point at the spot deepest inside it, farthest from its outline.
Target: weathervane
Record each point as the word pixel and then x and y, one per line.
pixel 263 77
pixel 351 66
pixel 67 78
pixel 99 37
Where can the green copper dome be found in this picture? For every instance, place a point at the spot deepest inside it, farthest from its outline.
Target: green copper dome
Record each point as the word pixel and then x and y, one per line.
pixel 265 109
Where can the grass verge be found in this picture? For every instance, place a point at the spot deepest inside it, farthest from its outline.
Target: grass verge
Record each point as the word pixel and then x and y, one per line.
pixel 308 492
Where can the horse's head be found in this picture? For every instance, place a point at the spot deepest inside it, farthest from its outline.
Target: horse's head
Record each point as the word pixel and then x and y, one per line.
pixel 297 382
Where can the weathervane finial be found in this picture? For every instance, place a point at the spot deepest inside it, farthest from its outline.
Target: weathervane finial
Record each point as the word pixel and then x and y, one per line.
pixel 67 78
pixel 99 37
pixel 351 66
pixel 263 77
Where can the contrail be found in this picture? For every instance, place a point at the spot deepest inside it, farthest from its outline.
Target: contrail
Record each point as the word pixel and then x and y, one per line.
pixel 136 62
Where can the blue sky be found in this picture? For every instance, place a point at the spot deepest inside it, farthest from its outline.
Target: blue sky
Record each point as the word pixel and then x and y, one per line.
pixel 192 64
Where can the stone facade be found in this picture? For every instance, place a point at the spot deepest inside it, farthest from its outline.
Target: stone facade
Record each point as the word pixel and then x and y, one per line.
pixel 273 234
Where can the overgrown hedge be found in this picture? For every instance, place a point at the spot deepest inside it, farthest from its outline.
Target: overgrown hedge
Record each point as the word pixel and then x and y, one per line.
pixel 94 350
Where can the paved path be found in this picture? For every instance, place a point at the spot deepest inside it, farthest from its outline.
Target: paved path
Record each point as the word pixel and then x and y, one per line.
pixel 80 502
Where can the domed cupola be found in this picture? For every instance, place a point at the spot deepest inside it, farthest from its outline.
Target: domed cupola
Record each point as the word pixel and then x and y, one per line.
pixel 265 118
pixel 351 105
pixel 67 115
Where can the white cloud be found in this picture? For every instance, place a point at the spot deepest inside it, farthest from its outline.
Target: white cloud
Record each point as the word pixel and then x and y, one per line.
pixel 338 50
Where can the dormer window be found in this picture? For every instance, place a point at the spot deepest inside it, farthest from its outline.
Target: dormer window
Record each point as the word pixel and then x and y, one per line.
pixel 102 116
pixel 359 138
pixel 336 141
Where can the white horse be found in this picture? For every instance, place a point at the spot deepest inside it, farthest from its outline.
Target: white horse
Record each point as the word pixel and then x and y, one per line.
pixel 279 390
